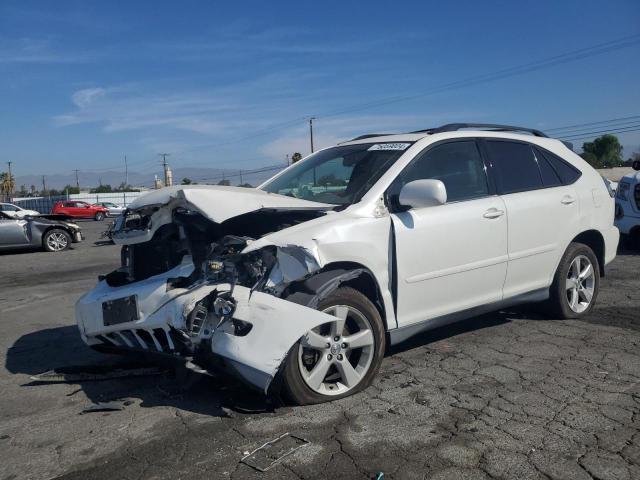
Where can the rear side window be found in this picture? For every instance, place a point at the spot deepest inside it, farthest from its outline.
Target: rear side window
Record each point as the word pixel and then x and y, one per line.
pixel 567 173
pixel 549 176
pixel 515 167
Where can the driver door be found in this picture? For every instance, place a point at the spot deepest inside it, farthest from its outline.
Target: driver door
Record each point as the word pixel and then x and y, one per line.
pixel 451 257
pixel 13 232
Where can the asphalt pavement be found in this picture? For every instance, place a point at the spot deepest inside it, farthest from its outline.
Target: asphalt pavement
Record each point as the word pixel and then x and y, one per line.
pixel 507 395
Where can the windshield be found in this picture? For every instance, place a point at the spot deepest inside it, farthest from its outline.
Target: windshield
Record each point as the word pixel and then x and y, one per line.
pixel 339 175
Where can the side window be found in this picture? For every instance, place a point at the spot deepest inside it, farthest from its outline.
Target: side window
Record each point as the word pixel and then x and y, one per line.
pixel 515 167
pixel 69 204
pixel 567 173
pixel 457 164
pixel 549 176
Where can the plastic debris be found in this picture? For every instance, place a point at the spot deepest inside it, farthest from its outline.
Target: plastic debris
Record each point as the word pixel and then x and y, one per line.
pixel 91 373
pixel 266 456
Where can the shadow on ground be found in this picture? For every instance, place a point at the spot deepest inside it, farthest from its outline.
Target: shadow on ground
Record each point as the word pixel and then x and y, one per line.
pixel 53 348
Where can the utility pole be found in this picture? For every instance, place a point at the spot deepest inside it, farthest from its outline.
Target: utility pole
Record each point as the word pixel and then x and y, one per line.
pixel 311 131
pixel 11 184
pixel 77 181
pixel 44 185
pixel 287 159
pixel 165 167
pixel 126 173
pixel 241 182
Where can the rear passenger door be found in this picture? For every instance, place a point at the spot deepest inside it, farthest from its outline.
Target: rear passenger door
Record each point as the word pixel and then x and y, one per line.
pixel 542 210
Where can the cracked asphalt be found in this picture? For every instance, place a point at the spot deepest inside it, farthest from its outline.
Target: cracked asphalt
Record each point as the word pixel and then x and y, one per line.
pixel 506 395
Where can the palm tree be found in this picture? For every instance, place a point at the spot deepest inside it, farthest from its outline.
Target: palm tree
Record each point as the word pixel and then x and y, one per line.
pixel 7 185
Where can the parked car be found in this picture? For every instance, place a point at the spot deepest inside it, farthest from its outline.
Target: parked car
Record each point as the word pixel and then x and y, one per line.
pixel 311 276
pixel 628 206
pixel 78 209
pixel 15 211
pixel 37 232
pixel 113 210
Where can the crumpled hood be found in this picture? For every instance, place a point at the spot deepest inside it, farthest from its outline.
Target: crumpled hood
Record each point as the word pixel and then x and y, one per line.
pixel 220 203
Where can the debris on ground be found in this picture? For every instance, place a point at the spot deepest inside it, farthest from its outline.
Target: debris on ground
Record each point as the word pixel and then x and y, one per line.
pixel 91 373
pixel 266 456
pixel 113 406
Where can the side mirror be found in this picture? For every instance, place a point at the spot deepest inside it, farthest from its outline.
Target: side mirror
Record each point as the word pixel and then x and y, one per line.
pixel 636 165
pixel 423 193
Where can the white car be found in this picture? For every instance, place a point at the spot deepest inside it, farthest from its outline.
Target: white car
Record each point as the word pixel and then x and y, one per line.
pixel 114 209
pixel 628 205
pixel 308 278
pixel 15 211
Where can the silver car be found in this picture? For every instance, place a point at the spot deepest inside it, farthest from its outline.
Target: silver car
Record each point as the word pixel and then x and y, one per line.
pixel 53 233
pixel 114 209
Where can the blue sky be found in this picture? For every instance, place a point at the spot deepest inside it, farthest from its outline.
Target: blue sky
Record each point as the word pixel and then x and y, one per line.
pixel 229 84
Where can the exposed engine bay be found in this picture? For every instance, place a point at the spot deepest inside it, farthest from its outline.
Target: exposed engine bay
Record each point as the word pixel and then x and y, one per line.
pixel 186 288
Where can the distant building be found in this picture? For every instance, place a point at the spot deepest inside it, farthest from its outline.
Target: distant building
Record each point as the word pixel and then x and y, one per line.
pixel 157 183
pixel 169 176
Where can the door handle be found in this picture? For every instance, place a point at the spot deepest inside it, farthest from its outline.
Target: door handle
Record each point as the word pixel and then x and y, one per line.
pixel 567 200
pixel 493 213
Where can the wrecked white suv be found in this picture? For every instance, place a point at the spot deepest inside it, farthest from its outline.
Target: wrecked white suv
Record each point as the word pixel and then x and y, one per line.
pixel 302 283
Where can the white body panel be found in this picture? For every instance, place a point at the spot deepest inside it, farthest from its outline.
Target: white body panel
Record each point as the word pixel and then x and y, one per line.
pixel 450 258
pixel 541 225
pixel 630 219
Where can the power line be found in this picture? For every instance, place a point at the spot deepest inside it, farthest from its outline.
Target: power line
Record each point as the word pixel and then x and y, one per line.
pixel 572 56
pixel 578 136
pixel 613 120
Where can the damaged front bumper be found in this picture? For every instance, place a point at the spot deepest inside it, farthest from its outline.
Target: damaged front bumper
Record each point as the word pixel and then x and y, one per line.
pixel 248 332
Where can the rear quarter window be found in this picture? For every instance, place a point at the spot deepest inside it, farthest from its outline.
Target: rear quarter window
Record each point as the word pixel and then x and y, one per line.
pixel 568 173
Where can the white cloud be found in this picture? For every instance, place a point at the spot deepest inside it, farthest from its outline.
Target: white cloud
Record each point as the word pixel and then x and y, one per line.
pixel 84 98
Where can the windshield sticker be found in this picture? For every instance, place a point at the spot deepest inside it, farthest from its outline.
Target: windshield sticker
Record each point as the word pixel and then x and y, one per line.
pixel 389 146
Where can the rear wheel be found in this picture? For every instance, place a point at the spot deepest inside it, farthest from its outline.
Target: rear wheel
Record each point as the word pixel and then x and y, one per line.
pixel 99 216
pixel 576 283
pixel 56 240
pixel 340 358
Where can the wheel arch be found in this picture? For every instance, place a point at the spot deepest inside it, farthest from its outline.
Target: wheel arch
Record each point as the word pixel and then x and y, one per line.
pixel 594 240
pixel 321 283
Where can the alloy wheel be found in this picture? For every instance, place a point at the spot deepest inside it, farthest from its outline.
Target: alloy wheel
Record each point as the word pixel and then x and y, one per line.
pixel 580 284
pixel 57 241
pixel 333 358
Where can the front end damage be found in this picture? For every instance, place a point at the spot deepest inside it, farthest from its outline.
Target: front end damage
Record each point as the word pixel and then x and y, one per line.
pixel 190 287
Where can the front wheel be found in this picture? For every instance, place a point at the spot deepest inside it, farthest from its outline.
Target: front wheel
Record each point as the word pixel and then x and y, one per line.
pixel 56 240
pixel 340 358
pixel 99 216
pixel 576 283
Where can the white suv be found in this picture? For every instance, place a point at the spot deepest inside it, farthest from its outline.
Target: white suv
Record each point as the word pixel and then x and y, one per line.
pixel 307 279
pixel 628 206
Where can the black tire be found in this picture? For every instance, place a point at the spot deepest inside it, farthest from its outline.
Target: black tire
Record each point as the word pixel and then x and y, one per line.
pixel 294 386
pixel 99 217
pixel 634 239
pixel 559 304
pixel 56 240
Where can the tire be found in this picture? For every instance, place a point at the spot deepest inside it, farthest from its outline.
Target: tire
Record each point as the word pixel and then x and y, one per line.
pixel 356 365
pixel 56 240
pixel 572 294
pixel 99 217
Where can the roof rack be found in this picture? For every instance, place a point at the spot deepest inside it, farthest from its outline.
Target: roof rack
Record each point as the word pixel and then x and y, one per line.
pixel 370 135
pixel 452 127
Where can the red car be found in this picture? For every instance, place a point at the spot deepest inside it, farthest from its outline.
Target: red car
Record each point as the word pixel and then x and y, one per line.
pixel 77 209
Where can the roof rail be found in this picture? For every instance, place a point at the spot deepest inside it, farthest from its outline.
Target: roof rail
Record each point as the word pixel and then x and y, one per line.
pixel 452 127
pixel 370 135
